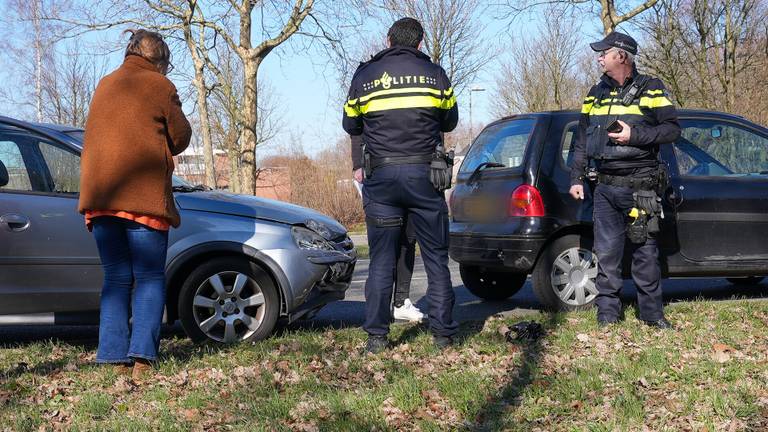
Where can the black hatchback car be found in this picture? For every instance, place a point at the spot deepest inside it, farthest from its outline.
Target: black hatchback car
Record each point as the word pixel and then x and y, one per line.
pixel 511 214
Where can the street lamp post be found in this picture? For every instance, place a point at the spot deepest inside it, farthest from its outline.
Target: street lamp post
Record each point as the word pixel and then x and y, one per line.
pixel 472 90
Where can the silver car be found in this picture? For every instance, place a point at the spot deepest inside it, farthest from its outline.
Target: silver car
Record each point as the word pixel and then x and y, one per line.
pixel 235 266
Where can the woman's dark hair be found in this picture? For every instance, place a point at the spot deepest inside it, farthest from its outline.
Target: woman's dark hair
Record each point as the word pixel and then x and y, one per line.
pixel 150 46
pixel 406 32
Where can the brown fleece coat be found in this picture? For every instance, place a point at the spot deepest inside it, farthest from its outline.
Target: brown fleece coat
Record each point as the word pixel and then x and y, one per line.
pixel 135 124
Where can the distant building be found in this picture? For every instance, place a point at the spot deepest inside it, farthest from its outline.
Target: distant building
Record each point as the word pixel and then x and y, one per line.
pixel 271 182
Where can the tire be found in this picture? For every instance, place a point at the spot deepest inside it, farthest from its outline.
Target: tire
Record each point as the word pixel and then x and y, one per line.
pixel 491 285
pixel 564 275
pixel 749 280
pixel 228 300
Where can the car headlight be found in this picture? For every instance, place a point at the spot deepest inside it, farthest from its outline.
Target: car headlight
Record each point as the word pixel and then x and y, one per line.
pixel 319 228
pixel 310 240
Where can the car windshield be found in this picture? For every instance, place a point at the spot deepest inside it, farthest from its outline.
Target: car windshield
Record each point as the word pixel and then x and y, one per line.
pixel 501 144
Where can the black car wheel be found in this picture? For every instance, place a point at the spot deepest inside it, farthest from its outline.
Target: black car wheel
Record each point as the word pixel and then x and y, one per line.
pixel 750 280
pixel 491 285
pixel 228 300
pixel 564 276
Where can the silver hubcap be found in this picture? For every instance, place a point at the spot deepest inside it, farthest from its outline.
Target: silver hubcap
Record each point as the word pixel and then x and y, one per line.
pixel 228 306
pixel 573 276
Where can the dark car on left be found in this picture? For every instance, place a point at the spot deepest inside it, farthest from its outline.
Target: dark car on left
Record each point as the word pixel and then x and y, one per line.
pixel 235 266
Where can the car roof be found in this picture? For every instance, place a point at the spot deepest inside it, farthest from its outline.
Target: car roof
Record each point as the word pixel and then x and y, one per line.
pixel 681 113
pixel 36 125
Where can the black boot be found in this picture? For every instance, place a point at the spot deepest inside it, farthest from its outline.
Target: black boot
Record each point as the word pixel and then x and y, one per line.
pixel 443 342
pixel 662 324
pixel 376 344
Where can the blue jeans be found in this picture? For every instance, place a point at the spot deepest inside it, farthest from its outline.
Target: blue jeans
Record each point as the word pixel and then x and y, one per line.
pixel 130 252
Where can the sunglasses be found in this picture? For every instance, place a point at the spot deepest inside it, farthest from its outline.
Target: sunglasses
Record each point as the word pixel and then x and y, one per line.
pixel 604 53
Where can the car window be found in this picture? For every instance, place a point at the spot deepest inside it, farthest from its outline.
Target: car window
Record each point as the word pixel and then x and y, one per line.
pixel 716 148
pixel 10 156
pixel 503 143
pixel 64 167
pixel 569 138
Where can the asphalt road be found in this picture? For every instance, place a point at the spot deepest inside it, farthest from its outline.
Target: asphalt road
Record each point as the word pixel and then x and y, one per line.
pixel 351 311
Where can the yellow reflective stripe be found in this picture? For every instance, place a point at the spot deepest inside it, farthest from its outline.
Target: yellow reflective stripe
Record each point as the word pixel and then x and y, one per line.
pixel 655 102
pixel 368 97
pixel 616 110
pixel 586 108
pixel 655 92
pixel 351 111
pixel 407 102
pixel 448 103
pixel 449 91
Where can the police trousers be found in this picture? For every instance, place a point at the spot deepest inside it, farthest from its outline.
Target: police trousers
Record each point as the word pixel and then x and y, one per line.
pixel 403 192
pixel 611 206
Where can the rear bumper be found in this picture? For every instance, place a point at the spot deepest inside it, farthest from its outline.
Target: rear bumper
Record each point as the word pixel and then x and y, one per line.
pixel 510 252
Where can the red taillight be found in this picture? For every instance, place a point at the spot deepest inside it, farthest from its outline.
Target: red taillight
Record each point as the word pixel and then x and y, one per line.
pixel 526 201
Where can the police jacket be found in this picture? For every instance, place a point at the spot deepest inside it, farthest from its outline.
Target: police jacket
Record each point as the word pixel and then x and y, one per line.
pixel 652 119
pixel 400 102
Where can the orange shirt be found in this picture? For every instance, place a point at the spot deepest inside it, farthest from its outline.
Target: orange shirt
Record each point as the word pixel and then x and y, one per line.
pixel 153 222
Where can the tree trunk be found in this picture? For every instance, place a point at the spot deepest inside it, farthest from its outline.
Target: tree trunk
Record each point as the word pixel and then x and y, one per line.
pixel 38 60
pixel 205 126
pixel 248 138
pixel 234 162
pixel 606 16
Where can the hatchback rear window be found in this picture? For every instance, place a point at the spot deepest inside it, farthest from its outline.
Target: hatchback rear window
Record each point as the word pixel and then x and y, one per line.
pixel 503 143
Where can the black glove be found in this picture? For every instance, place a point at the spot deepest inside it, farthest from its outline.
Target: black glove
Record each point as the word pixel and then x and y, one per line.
pixel 441 170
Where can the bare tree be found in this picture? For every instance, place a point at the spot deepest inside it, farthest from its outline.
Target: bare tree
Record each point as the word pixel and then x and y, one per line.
pixel 251 29
pixel 225 106
pixel 67 85
pixel 26 28
pixel 453 34
pixel 545 71
pixel 610 13
pixel 708 52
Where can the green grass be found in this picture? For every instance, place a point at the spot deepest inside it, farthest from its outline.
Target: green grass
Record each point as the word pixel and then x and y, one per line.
pixel 578 377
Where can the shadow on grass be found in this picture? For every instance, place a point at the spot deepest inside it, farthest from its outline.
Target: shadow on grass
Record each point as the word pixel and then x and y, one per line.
pixel 41 369
pixel 509 397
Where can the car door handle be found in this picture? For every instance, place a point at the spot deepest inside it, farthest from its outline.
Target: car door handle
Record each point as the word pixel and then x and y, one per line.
pixel 676 196
pixel 14 222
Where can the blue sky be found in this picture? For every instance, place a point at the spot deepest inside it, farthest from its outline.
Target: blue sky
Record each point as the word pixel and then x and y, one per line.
pixel 306 89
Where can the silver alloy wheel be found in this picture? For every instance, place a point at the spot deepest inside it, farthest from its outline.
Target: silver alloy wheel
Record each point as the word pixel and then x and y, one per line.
pixel 573 276
pixel 228 306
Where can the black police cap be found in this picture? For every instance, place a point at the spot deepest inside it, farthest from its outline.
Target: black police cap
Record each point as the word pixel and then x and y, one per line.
pixel 616 40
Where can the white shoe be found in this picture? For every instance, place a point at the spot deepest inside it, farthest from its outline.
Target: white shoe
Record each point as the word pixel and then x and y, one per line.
pixel 408 312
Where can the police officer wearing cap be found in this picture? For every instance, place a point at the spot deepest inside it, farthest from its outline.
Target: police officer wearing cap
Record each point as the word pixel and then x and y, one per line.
pixel 624 119
pixel 401 103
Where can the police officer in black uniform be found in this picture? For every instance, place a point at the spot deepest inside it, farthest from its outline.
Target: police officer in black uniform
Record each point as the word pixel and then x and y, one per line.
pixel 401 103
pixel 624 119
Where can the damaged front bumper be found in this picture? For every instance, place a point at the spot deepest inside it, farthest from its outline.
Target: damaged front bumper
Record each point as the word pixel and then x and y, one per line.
pixel 332 285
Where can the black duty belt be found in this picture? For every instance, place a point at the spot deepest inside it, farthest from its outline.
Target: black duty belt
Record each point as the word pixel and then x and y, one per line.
pixel 637 183
pixel 399 160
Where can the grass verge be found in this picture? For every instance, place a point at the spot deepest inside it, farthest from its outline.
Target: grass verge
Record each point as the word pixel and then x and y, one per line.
pixel 708 374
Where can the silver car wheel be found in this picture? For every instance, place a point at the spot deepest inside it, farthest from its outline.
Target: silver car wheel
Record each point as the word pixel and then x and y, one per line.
pixel 573 276
pixel 228 306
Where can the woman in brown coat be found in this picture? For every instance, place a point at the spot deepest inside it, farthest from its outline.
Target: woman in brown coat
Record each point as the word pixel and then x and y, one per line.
pixel 135 125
